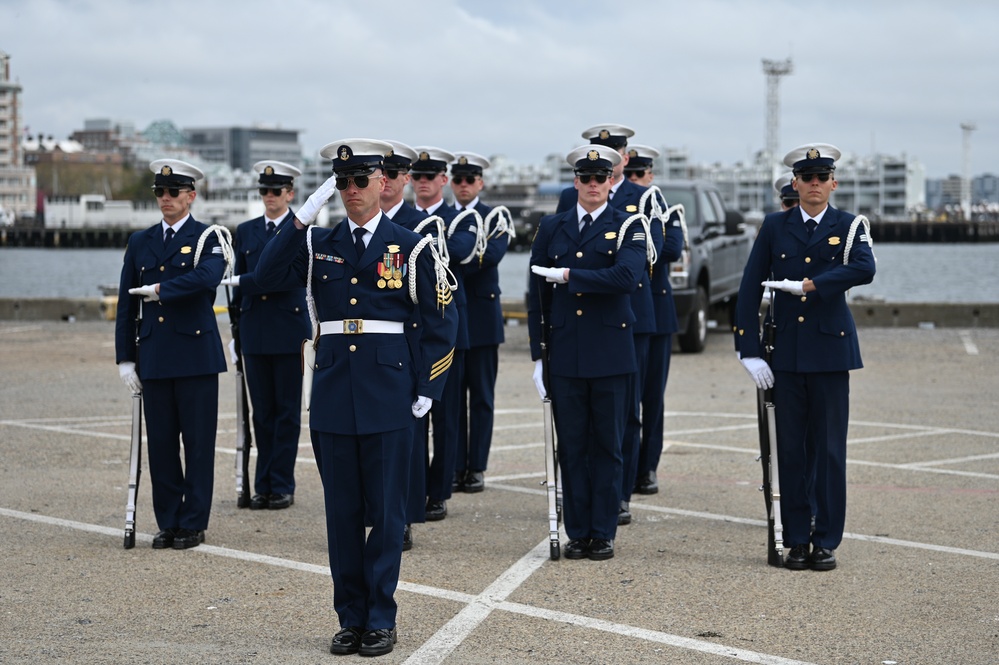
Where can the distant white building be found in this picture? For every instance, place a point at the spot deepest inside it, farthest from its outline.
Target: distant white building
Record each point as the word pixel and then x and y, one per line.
pixel 17 182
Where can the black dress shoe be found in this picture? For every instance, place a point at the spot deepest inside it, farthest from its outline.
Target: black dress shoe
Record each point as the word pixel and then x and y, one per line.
pixel 347 641
pixel 601 549
pixel 458 483
pixel 797 558
pixel 407 538
pixel 577 548
pixel 647 484
pixel 280 501
pixel 378 642
pixel 164 539
pixel 436 511
pixel 475 481
pixel 624 514
pixel 186 538
pixel 822 558
pixel 259 501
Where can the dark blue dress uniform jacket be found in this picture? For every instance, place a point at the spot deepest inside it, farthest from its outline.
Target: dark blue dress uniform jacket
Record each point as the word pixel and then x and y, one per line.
pixel 365 384
pixel 482 285
pixel 662 290
pixel 816 332
pixel 271 322
pixel 591 318
pixel 179 335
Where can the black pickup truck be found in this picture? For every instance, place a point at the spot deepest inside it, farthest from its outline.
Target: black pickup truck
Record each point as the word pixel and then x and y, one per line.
pixel 706 279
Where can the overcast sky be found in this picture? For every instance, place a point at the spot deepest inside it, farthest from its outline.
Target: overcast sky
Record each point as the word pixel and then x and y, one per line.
pixel 523 78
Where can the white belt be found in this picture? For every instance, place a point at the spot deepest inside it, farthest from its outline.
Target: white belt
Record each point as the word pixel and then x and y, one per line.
pixel 360 327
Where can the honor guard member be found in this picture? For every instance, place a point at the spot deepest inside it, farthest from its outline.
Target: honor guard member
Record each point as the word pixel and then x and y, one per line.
pixel 429 173
pixel 485 329
pixel 784 186
pixel 179 355
pixel 367 276
pixel 799 253
pixel 394 206
pixel 272 326
pixel 626 196
pixel 639 171
pixel 586 267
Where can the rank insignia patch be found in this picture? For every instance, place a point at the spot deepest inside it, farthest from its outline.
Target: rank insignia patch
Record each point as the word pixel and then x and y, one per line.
pixel 631 208
pixel 834 240
pixel 186 249
pixel 610 235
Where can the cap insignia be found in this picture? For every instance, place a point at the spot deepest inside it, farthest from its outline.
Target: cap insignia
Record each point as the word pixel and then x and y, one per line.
pixel 166 170
pixel 604 134
pixel 345 152
pixel 463 160
pixel 632 153
pixel 593 155
pixel 812 153
pixel 268 170
pixel 424 156
pixel 391 153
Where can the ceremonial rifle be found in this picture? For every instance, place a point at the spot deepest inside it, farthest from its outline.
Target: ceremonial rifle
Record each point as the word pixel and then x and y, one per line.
pixel 766 415
pixel 244 437
pixel 552 481
pixel 135 451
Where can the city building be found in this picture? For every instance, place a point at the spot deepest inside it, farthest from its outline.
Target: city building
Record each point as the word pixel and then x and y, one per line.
pixel 17 181
pixel 242 147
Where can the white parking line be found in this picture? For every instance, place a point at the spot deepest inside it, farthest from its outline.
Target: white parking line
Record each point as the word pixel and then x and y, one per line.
pixel 969 346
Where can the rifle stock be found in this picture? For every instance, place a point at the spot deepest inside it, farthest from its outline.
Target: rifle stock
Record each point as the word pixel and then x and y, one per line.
pixel 766 413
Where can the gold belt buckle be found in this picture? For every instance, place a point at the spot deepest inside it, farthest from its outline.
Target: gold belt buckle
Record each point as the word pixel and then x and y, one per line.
pixel 353 326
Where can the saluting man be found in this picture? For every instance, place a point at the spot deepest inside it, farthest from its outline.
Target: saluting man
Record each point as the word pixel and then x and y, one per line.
pixel 800 254
pixel 368 386
pixel 179 356
pixel 273 324
pixel 485 329
pixel 587 266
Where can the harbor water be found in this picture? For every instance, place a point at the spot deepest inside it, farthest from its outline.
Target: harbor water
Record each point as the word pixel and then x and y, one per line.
pixel 907 273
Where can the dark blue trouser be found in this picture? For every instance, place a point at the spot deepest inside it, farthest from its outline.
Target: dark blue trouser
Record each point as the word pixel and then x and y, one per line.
pixel 188 408
pixel 365 477
pixel 275 386
pixel 478 401
pixel 653 403
pixel 445 416
pixel 813 412
pixel 631 443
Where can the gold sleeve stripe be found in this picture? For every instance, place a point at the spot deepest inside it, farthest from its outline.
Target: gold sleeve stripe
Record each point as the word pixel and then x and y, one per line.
pixel 441 365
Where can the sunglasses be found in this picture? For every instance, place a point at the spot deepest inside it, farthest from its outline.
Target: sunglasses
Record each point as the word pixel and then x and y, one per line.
pixel 790 203
pixel 428 176
pixel 360 181
pixel 599 177
pixel 638 173
pixel 276 191
pixel 392 174
pixel 807 177
pixel 467 179
pixel 174 192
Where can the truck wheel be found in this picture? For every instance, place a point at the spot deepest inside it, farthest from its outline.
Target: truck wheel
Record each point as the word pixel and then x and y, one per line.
pixel 692 339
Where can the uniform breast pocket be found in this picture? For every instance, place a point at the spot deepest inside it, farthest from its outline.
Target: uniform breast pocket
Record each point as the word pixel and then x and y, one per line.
pixel 605 246
pixel 328 282
pixel 784 252
pixel 182 262
pixel 556 251
pixel 831 253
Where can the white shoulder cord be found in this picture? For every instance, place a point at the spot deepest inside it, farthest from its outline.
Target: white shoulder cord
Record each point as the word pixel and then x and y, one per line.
pixel 502 226
pixel 650 251
pixel 444 285
pixel 225 242
pixel 309 300
pixel 480 236
pixel 440 235
pixel 682 214
pixel 857 221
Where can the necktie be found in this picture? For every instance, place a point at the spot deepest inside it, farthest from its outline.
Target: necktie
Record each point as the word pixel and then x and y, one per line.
pixel 270 227
pixel 168 236
pixel 585 223
pixel 810 224
pixel 359 242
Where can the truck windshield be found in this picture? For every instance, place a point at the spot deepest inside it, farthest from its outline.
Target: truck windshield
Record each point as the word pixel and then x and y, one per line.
pixel 684 196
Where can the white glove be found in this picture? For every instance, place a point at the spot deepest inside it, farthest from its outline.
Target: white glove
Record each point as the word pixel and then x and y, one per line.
pixel 421 406
pixel 556 275
pixel 232 352
pixel 539 379
pixel 230 281
pixel 760 371
pixel 307 213
pixel 792 287
pixel 767 296
pixel 148 292
pixel 126 370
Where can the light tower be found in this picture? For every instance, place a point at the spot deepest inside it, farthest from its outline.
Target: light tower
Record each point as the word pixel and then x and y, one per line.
pixel 966 129
pixel 774 69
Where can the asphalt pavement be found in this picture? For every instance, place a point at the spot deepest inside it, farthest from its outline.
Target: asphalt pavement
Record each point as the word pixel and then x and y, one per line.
pixel 916 582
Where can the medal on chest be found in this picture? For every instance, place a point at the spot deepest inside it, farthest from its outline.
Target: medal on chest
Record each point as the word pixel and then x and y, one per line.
pixel 391 269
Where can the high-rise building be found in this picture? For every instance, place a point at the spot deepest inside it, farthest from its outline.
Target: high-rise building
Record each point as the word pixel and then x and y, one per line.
pixel 17 182
pixel 242 147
